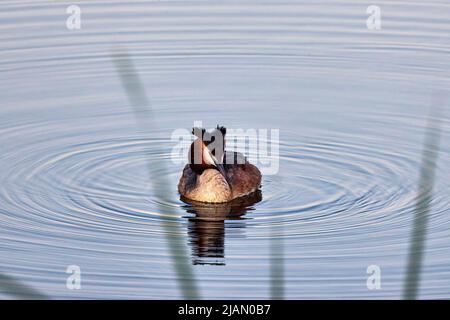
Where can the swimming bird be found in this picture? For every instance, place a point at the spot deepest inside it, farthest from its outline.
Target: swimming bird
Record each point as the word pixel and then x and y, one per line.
pixel 214 175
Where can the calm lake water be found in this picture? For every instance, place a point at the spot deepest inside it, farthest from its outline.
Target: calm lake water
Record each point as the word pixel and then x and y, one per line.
pixel 351 105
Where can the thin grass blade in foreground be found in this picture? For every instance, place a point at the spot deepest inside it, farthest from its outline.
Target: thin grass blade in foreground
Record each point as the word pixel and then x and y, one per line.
pixel 276 267
pixel 13 287
pixel 423 201
pixel 141 106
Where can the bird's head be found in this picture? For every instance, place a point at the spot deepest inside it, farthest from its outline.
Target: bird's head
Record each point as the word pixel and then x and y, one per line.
pixel 207 151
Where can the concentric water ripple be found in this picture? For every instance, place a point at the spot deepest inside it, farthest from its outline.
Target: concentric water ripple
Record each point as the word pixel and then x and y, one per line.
pixel 79 178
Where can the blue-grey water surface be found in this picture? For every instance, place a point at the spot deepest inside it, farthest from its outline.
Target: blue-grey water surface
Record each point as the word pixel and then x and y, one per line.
pixel 351 105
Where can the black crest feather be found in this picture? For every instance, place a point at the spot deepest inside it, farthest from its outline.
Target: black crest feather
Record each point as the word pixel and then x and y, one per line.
pixel 222 129
pixel 198 132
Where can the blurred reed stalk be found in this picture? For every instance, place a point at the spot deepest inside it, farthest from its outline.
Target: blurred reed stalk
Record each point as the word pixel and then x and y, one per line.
pixel 276 265
pixel 424 197
pixel 13 287
pixel 145 119
pixel 277 262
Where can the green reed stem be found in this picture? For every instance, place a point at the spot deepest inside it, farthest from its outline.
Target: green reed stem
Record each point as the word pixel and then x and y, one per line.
pixel 142 109
pixel 276 267
pixel 13 287
pixel 423 204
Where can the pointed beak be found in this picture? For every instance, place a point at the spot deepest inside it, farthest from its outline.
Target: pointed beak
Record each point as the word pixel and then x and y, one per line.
pixel 212 160
pixel 220 167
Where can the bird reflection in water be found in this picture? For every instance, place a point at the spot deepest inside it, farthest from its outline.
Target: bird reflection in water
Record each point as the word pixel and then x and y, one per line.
pixel 206 229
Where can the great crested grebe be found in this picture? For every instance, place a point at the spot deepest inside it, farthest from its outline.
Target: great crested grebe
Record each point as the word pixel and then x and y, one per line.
pixel 214 175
